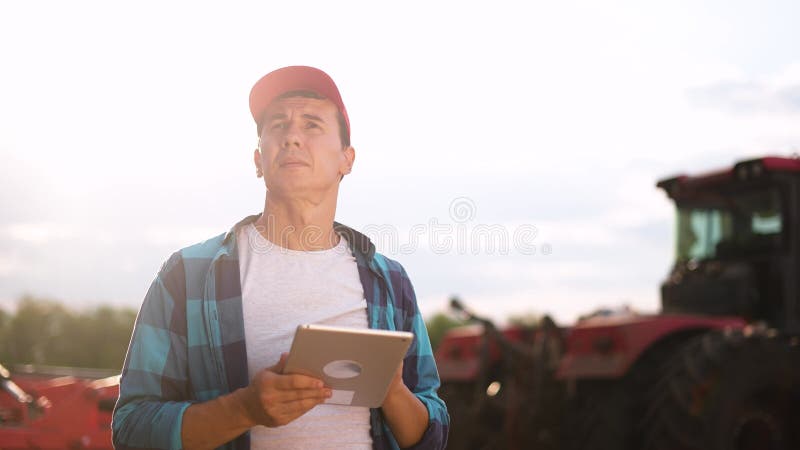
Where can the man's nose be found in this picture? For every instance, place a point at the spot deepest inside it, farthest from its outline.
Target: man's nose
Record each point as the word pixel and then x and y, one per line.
pixel 291 137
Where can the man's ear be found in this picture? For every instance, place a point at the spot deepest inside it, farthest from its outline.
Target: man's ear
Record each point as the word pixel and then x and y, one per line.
pixel 349 158
pixel 257 161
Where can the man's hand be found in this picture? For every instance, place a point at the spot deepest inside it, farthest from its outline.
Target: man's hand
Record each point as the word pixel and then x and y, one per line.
pixel 271 399
pixel 274 399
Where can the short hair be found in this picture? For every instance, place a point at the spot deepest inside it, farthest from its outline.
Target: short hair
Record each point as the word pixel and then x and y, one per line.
pixel 344 135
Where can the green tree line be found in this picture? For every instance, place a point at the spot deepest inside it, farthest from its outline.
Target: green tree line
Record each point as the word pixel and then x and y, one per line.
pixel 45 332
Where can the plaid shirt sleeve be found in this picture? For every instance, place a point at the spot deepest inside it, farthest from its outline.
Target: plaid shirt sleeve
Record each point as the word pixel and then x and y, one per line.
pixel 154 386
pixel 419 367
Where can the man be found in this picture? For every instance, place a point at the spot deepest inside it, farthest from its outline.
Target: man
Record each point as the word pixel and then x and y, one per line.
pixel 204 366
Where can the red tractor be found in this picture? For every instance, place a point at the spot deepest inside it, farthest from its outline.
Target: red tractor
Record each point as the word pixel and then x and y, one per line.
pixel 45 411
pixel 717 369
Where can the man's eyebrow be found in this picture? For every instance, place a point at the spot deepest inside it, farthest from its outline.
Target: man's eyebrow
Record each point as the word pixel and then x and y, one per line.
pixel 282 116
pixel 277 116
pixel 313 117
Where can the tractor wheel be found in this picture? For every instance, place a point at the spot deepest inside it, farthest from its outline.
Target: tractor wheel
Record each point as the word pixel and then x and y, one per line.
pixel 727 391
pixel 458 397
pixel 476 420
pixel 600 419
pixel 604 414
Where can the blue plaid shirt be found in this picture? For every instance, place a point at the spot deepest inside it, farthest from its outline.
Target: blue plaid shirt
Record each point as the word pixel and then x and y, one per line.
pixel 188 343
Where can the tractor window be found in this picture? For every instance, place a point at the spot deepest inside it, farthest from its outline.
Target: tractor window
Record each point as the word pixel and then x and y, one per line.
pixel 731 225
pixel 767 222
pixel 699 232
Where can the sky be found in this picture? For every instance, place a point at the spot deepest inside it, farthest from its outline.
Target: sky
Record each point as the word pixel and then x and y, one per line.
pixel 125 135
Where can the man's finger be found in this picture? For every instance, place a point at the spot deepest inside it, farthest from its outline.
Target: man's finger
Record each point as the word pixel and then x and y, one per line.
pixel 297 408
pixel 283 413
pixel 283 397
pixel 305 394
pixel 296 381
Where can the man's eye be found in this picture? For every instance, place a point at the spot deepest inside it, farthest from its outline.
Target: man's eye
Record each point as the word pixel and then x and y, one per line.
pixel 277 126
pixel 312 125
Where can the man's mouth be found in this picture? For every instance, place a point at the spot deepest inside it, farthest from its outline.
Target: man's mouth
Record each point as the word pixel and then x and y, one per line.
pixel 293 163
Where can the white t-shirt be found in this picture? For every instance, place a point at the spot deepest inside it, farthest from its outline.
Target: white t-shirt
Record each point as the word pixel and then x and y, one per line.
pixel 282 288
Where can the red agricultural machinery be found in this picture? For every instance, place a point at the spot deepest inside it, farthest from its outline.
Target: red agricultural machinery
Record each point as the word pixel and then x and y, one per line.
pixel 45 411
pixel 717 369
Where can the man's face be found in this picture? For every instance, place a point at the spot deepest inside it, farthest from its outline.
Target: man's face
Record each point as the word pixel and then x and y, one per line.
pixel 300 149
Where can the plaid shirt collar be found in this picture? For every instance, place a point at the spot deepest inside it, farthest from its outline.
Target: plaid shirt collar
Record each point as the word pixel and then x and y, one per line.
pixel 360 245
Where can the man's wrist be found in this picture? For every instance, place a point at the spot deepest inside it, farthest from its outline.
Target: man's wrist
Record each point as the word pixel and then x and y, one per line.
pixel 241 403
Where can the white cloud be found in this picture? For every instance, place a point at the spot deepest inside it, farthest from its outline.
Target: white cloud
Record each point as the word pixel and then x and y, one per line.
pixel 9 265
pixel 773 94
pixel 177 236
pixel 37 233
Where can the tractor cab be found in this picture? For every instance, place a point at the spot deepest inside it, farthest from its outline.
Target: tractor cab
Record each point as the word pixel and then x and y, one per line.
pixel 737 243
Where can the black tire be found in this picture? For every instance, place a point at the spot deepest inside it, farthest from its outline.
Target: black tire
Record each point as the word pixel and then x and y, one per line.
pixel 603 414
pixel 600 419
pixel 457 396
pixel 476 420
pixel 726 391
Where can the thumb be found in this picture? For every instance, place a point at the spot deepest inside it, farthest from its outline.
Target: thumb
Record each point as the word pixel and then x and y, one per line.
pixel 278 367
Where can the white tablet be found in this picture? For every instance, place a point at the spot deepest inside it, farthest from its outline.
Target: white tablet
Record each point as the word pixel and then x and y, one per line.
pixel 357 364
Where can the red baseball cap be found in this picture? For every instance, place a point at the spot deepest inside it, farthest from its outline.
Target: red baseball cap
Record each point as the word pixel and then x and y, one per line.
pixel 294 78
